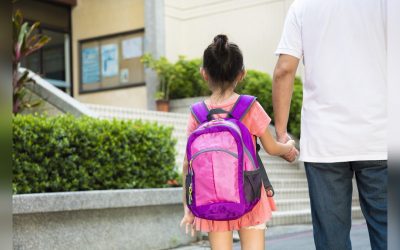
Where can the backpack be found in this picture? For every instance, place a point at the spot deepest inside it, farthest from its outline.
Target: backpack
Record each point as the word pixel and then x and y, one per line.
pixel 225 173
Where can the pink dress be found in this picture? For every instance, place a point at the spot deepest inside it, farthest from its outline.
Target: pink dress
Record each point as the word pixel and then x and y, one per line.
pixel 257 121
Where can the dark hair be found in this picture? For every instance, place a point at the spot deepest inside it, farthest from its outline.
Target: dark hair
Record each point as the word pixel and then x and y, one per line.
pixel 223 61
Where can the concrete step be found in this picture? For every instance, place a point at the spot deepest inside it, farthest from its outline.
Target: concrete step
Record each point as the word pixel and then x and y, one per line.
pixel 289 183
pixel 297 183
pixel 302 216
pixel 280 165
pixel 110 112
pixel 301 204
pixel 297 193
pixel 290 193
pixel 286 174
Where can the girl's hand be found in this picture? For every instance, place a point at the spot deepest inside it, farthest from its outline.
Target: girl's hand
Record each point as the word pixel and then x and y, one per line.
pixel 291 142
pixel 188 221
pixel 291 155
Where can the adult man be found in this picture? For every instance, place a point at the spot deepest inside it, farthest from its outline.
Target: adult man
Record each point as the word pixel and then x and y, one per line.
pixel 343 128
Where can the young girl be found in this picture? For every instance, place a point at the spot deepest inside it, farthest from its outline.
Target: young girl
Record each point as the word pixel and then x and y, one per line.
pixel 222 69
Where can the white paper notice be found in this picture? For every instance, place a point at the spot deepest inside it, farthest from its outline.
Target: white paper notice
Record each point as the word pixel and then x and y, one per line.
pixel 109 60
pixel 132 47
pixel 124 75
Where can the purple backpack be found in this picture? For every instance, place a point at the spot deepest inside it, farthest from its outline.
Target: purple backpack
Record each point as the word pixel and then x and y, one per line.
pixel 225 173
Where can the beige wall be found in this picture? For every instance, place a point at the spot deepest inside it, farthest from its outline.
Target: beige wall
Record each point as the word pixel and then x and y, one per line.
pixel 93 18
pixel 255 25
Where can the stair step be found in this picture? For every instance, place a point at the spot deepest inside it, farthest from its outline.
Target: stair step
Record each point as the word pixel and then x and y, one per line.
pixel 288 183
pixel 286 174
pixel 302 216
pixel 296 193
pixel 302 204
pixel 291 193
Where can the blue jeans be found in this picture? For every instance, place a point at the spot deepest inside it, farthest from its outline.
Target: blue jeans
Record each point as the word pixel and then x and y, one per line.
pixel 330 188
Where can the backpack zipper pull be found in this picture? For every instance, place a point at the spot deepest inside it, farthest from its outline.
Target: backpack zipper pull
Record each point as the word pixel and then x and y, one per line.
pixel 190 194
pixel 191 182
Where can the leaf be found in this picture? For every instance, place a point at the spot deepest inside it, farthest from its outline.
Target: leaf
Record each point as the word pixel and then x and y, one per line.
pixel 42 41
pixel 32 28
pixel 33 39
pixel 21 36
pixel 18 18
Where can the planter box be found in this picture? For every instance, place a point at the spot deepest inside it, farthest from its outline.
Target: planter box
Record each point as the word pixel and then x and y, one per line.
pixel 111 219
pixel 183 105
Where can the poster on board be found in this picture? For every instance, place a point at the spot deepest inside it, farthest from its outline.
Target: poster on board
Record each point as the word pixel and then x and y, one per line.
pixel 90 65
pixel 124 76
pixel 109 60
pixel 132 47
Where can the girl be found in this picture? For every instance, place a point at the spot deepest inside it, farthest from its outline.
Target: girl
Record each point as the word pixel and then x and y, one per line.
pixel 222 69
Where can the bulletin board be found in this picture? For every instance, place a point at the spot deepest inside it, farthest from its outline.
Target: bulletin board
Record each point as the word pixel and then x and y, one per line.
pixel 111 62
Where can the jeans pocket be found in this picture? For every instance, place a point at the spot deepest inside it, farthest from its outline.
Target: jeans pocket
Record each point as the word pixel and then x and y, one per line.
pixel 252 184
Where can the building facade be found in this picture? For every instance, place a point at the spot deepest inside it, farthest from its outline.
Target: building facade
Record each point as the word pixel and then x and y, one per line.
pixel 96 44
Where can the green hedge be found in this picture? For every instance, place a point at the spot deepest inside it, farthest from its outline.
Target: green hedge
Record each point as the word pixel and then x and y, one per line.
pixel 184 80
pixel 65 153
pixel 259 84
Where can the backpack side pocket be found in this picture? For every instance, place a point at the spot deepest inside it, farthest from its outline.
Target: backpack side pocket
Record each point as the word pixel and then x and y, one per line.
pixel 252 184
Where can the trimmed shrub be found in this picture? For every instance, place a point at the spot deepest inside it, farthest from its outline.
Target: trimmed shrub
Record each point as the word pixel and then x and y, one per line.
pixel 259 84
pixel 64 153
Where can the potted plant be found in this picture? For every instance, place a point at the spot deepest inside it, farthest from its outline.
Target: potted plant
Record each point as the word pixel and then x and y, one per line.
pixel 164 69
pixel 162 104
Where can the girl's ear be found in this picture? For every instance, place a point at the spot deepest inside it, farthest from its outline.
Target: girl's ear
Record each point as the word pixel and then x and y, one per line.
pixel 241 76
pixel 204 74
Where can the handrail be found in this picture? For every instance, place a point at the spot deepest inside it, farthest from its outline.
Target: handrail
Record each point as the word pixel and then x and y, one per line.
pixel 54 96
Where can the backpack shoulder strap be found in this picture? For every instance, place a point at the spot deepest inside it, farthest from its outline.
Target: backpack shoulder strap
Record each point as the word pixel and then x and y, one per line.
pixel 239 110
pixel 199 111
pixel 242 106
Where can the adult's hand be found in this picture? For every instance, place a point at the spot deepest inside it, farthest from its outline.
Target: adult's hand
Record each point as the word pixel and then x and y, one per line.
pixel 292 154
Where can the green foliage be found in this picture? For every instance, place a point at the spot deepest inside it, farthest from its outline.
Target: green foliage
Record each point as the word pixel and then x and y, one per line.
pixel 186 80
pixel 177 80
pixel 295 108
pixel 55 154
pixel 259 84
pixel 25 42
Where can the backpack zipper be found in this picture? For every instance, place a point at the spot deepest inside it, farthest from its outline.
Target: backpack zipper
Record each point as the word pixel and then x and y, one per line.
pixel 214 149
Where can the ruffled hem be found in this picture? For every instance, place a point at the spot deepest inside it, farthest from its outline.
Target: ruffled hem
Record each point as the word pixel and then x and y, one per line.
pixel 261 213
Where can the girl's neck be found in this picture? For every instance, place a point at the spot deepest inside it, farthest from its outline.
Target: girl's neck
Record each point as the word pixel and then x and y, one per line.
pixel 217 98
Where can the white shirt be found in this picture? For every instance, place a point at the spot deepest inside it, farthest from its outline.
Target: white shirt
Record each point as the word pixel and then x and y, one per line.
pixel 343 46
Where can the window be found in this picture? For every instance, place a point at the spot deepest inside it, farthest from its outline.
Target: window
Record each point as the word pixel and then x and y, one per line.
pixel 52 61
pixel 111 62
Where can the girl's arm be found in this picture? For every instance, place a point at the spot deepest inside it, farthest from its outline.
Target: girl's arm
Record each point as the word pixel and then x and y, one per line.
pixel 273 147
pixel 184 172
pixel 188 217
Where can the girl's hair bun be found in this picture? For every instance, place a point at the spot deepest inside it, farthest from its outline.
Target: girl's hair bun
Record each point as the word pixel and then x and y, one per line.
pixel 223 62
pixel 221 43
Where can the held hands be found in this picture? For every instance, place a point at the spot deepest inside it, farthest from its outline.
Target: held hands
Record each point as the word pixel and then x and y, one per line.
pixel 293 153
pixel 188 221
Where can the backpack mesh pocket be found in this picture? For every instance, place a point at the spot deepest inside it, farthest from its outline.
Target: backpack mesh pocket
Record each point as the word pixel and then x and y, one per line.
pixel 252 184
